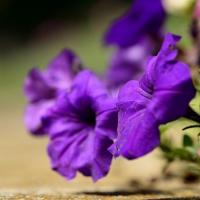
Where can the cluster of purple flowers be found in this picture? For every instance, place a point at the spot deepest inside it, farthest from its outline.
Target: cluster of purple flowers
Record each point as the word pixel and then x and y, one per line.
pixel 87 125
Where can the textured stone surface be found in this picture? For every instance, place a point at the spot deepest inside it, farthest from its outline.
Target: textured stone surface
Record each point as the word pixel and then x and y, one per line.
pixel 95 197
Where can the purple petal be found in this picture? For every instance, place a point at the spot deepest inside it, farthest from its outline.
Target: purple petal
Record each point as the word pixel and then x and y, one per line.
pixel 107 123
pixel 60 73
pixel 76 147
pixel 139 137
pixel 35 86
pixel 128 64
pixel 42 87
pixel 33 115
pixel 169 50
pixel 173 92
pixel 156 65
pixel 145 17
pixel 85 92
pixel 132 99
pixel 56 124
pixel 54 148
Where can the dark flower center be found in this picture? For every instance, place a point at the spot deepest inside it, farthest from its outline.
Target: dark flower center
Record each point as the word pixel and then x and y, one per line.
pixel 90 117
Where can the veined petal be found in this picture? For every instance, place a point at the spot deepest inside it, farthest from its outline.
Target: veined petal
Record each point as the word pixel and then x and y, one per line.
pixel 139 137
pixel 127 64
pixel 84 151
pixel 80 125
pixel 86 87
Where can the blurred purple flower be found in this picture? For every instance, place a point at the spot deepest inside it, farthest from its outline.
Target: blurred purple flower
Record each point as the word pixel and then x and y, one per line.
pixel 162 95
pixel 81 126
pixel 144 19
pixel 137 35
pixel 128 64
pixel 41 88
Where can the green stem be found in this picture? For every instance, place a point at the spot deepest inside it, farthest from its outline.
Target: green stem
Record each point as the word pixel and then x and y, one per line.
pixel 192 115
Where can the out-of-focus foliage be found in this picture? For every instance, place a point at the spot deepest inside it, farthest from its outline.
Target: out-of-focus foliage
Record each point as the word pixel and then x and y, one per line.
pixel 20 17
pixel 188 152
pixel 180 7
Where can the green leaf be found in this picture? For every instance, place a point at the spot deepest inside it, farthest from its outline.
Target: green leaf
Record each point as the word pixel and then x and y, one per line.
pixel 192 150
pixel 164 128
pixel 187 141
pixel 196 81
pixel 182 153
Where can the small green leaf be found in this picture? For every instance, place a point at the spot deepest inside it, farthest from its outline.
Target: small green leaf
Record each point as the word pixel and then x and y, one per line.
pixel 191 150
pixel 165 127
pixel 187 141
pixel 182 153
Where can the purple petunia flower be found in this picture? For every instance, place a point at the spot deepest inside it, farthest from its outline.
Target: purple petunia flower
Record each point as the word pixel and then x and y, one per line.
pixel 144 19
pixel 41 88
pixel 81 126
pixel 162 95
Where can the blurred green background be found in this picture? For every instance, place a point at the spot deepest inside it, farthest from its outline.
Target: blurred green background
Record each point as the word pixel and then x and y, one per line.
pixel 32 33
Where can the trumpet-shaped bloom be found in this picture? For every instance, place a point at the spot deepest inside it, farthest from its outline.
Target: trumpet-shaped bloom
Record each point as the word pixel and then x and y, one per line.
pixel 145 18
pixel 162 95
pixel 41 88
pixel 81 126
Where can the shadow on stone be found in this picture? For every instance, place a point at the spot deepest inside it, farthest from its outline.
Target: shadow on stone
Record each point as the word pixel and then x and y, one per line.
pixel 137 192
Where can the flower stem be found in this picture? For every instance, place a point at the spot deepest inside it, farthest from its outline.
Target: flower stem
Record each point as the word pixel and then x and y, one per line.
pixel 192 115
